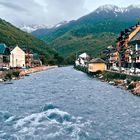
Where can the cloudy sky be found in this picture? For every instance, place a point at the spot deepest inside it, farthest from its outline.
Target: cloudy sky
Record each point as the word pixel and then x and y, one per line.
pixel 49 12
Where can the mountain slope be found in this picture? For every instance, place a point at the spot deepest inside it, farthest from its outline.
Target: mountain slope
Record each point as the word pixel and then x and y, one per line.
pixel 69 44
pixel 101 27
pixel 40 32
pixel 103 16
pixel 12 36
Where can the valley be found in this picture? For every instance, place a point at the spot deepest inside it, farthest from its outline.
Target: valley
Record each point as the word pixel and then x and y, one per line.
pixel 91 33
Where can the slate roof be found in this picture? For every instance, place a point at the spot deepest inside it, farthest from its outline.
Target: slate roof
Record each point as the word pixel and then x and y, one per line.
pixel 4 49
pixel 97 60
pixel 84 55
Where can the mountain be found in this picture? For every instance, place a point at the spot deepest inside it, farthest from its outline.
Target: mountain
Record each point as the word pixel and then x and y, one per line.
pixel 114 12
pixel 92 32
pixel 41 29
pixel 11 36
pixel 31 28
pixel 105 14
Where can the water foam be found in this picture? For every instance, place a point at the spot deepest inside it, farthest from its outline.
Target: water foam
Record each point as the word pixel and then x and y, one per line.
pixel 51 123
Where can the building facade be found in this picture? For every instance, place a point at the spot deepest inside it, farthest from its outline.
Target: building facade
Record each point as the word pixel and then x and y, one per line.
pixel 97 64
pixel 17 58
pixel 113 58
pixel 28 59
pixel 128 47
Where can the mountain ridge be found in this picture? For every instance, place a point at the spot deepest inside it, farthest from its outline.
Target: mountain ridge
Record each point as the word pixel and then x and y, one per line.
pixel 104 8
pixel 33 28
pixel 109 7
pixel 93 32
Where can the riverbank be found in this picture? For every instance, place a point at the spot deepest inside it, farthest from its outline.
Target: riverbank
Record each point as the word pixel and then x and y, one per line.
pixel 125 81
pixel 36 69
pixel 16 74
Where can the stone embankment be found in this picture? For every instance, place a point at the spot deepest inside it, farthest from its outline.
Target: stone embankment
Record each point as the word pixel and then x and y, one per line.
pixel 15 74
pixel 136 89
pixel 134 86
pixel 125 81
pixel 36 69
pixel 127 84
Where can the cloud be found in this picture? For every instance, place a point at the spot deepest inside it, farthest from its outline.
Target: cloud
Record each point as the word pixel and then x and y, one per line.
pixel 11 5
pixel 41 11
pixel 50 11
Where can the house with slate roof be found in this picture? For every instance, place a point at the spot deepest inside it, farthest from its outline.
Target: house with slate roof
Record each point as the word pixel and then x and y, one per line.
pixel 22 57
pixel 97 64
pixel 82 60
pixel 4 56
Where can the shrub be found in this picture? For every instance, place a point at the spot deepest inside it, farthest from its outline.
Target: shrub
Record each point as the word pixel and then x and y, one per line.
pixel 98 72
pixel 113 75
pixel 15 73
pixel 12 73
pixel 80 68
pixel 8 76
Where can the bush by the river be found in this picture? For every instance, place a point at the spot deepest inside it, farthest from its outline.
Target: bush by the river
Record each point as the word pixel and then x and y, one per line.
pixel 113 75
pixel 84 69
pixel 12 74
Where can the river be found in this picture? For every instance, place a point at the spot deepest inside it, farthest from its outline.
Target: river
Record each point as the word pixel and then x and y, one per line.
pixel 65 104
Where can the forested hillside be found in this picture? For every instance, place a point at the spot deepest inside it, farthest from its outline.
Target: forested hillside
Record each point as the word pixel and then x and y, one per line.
pixel 91 33
pixel 11 36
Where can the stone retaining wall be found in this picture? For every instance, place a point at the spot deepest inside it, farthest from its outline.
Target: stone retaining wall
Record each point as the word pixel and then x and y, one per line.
pixel 36 69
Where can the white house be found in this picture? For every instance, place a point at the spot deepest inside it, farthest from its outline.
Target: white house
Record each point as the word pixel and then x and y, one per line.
pixel 82 60
pixel 17 57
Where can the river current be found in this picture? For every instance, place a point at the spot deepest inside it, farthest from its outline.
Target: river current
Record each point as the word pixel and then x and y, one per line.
pixel 65 104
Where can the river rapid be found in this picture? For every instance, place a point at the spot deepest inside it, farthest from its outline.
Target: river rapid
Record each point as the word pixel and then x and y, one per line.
pixel 65 104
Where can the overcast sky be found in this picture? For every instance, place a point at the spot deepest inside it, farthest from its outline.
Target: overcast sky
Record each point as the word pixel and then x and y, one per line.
pixel 49 12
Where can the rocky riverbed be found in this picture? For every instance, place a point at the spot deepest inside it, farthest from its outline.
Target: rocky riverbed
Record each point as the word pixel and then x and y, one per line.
pixel 127 84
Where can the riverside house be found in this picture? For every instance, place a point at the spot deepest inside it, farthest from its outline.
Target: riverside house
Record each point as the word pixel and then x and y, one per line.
pixel 97 64
pixel 28 58
pixel 128 46
pixel 113 60
pixel 31 59
pixel 17 58
pixel 82 60
pixel 4 56
pixel 24 58
pixel 36 62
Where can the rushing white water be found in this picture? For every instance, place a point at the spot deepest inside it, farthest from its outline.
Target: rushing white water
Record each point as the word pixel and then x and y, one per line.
pixel 50 123
pixel 64 104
